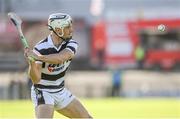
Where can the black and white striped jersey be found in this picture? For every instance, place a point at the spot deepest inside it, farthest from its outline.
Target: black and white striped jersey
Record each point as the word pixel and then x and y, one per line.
pixel 52 75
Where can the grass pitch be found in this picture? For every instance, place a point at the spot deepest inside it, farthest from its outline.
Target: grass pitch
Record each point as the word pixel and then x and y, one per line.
pixel 104 108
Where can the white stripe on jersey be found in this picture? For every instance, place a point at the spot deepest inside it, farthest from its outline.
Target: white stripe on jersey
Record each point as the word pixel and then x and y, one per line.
pixel 46 82
pixel 53 74
pixel 43 44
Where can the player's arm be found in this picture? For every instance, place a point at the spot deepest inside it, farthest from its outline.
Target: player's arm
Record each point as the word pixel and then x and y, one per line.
pixel 34 71
pixel 35 67
pixel 57 58
pixel 61 57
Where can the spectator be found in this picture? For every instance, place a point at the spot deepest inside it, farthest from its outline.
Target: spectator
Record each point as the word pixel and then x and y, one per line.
pixel 116 82
pixel 140 55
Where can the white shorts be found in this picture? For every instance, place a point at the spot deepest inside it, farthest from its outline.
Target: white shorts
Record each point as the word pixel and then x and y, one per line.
pixel 58 99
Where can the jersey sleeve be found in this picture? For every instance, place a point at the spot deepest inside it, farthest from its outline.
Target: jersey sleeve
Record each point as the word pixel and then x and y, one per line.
pixel 72 46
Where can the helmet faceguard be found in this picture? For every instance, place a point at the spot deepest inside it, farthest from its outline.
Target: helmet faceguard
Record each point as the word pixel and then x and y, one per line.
pixel 59 20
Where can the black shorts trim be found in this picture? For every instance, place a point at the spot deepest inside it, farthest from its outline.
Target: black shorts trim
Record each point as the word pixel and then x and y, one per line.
pixel 39 97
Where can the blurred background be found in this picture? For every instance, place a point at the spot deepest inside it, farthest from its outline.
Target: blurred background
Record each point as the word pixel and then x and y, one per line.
pixel 122 56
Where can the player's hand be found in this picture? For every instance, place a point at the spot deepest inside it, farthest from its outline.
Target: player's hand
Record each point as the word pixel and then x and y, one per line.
pixel 26 50
pixel 30 55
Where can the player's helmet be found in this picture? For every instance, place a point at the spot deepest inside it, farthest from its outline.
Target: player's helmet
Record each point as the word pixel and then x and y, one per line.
pixel 59 20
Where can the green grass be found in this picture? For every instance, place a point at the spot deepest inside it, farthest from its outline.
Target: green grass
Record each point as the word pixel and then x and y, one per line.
pixel 104 108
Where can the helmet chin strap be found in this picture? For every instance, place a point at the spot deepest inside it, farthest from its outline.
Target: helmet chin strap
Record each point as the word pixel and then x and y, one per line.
pixel 60 36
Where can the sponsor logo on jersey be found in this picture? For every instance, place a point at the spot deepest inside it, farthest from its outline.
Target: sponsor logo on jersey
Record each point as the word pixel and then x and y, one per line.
pixel 54 67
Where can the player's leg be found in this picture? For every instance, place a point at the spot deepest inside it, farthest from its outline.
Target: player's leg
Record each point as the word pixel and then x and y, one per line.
pixel 44 111
pixel 43 102
pixel 75 110
pixel 69 106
